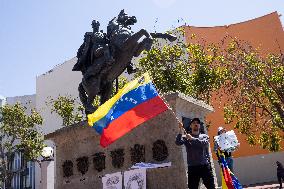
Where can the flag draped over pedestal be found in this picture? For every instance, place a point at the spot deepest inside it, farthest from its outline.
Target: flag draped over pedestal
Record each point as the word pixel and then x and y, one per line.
pixel 137 102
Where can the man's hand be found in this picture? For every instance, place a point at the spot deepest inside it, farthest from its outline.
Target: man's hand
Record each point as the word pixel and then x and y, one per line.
pixel 180 125
pixel 188 136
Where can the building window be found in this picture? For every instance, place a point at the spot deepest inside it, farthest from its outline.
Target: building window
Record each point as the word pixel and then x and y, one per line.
pixel 24 172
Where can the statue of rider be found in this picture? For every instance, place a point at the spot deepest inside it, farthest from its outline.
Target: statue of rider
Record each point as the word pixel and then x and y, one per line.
pixel 95 46
pixel 94 58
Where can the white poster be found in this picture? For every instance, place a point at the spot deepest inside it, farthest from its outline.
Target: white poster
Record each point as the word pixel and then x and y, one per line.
pixel 112 181
pixel 135 179
pixel 227 141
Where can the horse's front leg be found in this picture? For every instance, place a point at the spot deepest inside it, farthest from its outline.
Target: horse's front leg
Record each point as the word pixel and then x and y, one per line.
pixel 92 88
pixel 82 95
pixel 145 44
pixel 132 40
pixel 106 92
pixel 145 33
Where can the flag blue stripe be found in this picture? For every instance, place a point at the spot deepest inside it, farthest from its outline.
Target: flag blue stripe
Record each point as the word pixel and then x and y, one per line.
pixel 128 101
pixel 224 163
pixel 236 183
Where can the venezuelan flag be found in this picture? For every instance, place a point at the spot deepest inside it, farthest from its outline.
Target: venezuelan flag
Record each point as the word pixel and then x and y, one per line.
pixel 137 102
pixel 229 181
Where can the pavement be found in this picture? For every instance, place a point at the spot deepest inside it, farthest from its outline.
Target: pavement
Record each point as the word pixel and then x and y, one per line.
pixel 264 186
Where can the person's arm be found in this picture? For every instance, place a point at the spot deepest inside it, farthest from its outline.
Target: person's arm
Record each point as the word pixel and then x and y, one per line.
pixel 215 146
pixel 202 142
pixel 179 139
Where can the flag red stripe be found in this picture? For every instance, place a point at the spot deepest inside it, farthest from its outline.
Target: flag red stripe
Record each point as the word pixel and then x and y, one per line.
pixel 228 179
pixel 131 119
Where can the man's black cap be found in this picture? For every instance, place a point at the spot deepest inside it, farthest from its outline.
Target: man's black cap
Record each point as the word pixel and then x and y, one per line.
pixel 195 119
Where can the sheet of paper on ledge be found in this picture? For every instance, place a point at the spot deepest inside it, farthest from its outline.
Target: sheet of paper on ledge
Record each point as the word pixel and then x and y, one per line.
pixel 143 165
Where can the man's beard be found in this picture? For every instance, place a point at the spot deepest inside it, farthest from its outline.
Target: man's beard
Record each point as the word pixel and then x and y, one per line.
pixel 195 130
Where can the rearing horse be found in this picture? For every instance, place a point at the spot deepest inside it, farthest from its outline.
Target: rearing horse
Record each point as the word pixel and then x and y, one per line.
pixel 124 45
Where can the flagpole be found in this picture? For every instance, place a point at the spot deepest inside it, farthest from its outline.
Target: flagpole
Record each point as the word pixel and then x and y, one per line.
pixel 180 124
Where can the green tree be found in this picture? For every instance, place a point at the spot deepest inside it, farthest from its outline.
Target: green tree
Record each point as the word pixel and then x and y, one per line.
pixel 68 108
pixel 18 133
pixel 253 85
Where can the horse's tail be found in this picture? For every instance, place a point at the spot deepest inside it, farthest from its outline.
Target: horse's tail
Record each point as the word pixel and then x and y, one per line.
pixel 82 94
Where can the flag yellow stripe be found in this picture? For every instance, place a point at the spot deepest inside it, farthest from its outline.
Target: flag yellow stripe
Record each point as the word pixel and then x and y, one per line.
pixel 224 185
pixel 104 109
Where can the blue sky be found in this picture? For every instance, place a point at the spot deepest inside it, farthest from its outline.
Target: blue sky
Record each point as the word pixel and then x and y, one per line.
pixel 36 35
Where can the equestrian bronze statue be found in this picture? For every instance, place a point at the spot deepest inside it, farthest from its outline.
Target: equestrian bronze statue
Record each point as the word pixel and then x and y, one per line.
pixel 104 56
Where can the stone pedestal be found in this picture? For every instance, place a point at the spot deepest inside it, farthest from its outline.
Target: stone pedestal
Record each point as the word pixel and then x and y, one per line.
pixel 81 162
pixel 47 174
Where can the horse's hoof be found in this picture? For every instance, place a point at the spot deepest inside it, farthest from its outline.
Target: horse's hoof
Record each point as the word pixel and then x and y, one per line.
pixel 131 71
pixel 90 110
pixel 148 46
pixel 172 38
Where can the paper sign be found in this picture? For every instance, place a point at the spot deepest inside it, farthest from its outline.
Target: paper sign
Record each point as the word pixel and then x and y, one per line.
pixel 227 141
pixel 135 179
pixel 112 181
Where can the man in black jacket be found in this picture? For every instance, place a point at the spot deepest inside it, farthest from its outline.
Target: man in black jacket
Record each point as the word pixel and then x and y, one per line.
pixel 198 159
pixel 280 173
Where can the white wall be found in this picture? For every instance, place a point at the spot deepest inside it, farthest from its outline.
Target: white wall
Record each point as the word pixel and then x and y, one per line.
pixel 26 100
pixel 2 100
pixel 254 169
pixel 61 80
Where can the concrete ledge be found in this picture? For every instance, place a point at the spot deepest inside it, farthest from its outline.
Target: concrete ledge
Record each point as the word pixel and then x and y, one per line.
pixel 57 132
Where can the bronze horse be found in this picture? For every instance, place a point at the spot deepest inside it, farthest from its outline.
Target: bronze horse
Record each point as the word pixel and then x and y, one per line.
pixel 124 45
